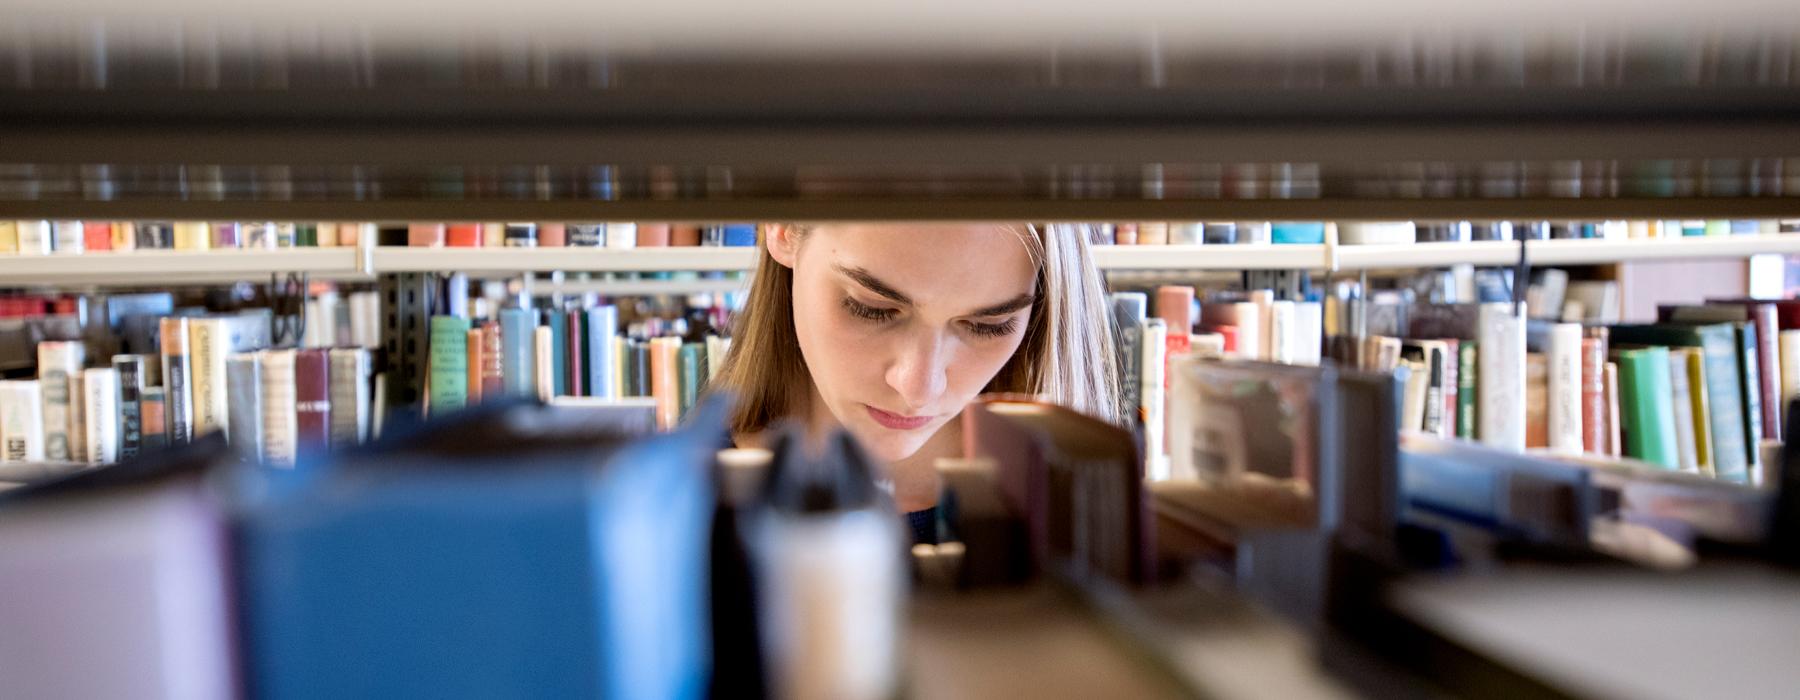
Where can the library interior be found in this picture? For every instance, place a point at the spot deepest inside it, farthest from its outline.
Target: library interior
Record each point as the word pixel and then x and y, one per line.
pixel 1049 350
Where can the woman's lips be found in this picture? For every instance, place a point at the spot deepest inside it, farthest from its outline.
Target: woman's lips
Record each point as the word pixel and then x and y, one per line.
pixel 895 421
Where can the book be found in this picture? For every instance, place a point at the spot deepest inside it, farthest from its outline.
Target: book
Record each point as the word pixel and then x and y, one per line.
pixel 101 388
pixel 575 336
pixel 518 359
pixel 1416 396
pixel 66 238
pixel 155 418
pixel 9 237
pixel 587 235
pixel 493 362
pixel 1682 403
pixel 1428 360
pixel 21 421
pixel 447 389
pixel 244 431
pixel 1128 317
pixel 78 416
pixel 1615 444
pixel 1645 399
pixel 716 348
pixel 1565 388
pixel 58 361
pixel 493 234
pixel 132 381
pixel 208 346
pixel 1753 321
pixel 463 235
pixel 643 382
pixel 1246 317
pixel 521 235
pixel 1153 368
pixel 351 400
pixel 1719 344
pixel 1309 333
pixel 34 237
pixel 1789 345
pixel 552 235
pixel 1283 336
pixel 1593 396
pixel 177 372
pixel 281 421
pixel 1501 376
pixel 689 360
pixel 258 235
pixel 652 235
pixel 425 234
pixel 1467 390
pixel 192 235
pixel 475 342
pixel 312 400
pixel 1700 408
pixel 558 323
pixel 95 235
pixel 624 357
pixel 665 383
pixel 1537 400
pixel 603 357
pixel 543 349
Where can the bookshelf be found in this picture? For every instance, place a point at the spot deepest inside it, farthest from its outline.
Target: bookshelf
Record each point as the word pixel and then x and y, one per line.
pixel 403 259
pixel 179 266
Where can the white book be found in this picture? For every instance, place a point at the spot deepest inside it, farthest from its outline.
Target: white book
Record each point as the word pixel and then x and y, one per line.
pixel 1564 360
pixel 378 406
pixel 365 319
pixel 543 343
pixel 1790 369
pixel 78 449
pixel 1376 232
pixel 1247 318
pixel 281 420
pixel 1687 453
pixel 21 421
pixel 1207 346
pixel 66 238
pixel 1265 303
pixel 209 344
pixel 57 361
pixel 1418 385
pixel 621 235
pixel 1500 376
pixel 1282 332
pixel 101 389
pixel 34 237
pixel 1186 233
pixel 1309 333
pixel 1615 230
pixel 1155 363
pixel 244 380
pixel 350 396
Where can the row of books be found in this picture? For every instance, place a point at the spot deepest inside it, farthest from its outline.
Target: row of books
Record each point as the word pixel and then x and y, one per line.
pixel 212 374
pixel 1396 232
pixel 68 237
pixel 569 351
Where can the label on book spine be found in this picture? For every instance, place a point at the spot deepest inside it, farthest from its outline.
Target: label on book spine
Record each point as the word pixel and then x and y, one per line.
pixel 58 361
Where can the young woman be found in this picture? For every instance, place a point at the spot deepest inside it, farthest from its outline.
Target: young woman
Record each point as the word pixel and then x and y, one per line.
pixel 889 330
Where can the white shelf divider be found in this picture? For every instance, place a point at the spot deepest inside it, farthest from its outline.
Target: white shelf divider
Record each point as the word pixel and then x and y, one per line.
pixel 404 259
pixel 1563 252
pixel 177 266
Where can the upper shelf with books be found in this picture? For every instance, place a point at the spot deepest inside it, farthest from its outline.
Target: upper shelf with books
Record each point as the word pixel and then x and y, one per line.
pixel 179 266
pixel 420 259
pixel 1561 252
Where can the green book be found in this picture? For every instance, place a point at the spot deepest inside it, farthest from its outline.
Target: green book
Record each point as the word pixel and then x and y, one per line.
pixel 688 362
pixel 1720 348
pixel 1646 406
pixel 306 236
pixel 1466 398
pixel 448 389
pixel 559 351
pixel 1750 379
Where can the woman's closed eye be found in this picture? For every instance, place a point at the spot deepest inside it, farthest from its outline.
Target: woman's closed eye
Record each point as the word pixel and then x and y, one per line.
pixel 865 312
pixel 987 329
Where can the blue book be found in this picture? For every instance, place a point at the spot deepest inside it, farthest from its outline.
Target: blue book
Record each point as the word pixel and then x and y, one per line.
pixel 740 235
pixel 518 357
pixel 559 333
pixel 603 378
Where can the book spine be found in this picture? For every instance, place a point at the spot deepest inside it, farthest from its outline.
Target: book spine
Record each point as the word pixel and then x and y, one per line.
pixel 1687 457
pixel 552 235
pixel 1644 395
pixel 603 327
pixel 623 358
pixel 621 235
pixel 244 378
pixel 518 358
pixel 21 421
pixel 448 388
pixel 192 235
pixel 1733 438
pixel 58 362
pixel 1412 408
pixel 1615 422
pixel 1790 370
pixel 521 235
pixel 1705 450
pixel 67 238
pixel 131 403
pixel 575 353
pixel 34 237
pixel 463 235
pixel 652 235
pixel 1537 400
pixel 101 386
pixel 493 363
pixel 543 346
pixel 281 422
pixel 286 235
pixel 1467 398
pixel 350 399
pixel 78 415
pixel 684 235
pixel 312 400
pixel 96 235
pixel 558 323
pixel 1282 332
pixel 9 237
pixel 155 235
pixel 1131 358
pixel 1151 392
pixel 257 235
pixel 1501 336
pixel 643 383
pixel 1757 426
pixel 225 235
pixel 1309 333
pixel 155 418
pixel 587 235
pixel 209 345
pixel 692 374
pixel 1249 331
pixel 1593 396
pixel 177 371
pixel 425 235
pixel 1565 386
pixel 475 342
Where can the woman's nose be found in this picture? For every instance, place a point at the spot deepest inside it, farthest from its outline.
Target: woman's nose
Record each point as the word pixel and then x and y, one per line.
pixel 918 373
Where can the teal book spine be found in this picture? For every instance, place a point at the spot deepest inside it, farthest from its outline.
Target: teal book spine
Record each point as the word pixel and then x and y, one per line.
pixel 559 336
pixel 688 363
pixel 518 356
pixel 1719 345
pixel 448 388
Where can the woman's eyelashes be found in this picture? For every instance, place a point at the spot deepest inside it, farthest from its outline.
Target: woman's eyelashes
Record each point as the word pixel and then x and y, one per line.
pixel 993 330
pixel 880 316
pixel 869 313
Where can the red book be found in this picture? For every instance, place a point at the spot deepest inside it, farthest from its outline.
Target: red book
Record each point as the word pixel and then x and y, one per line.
pixel 684 235
pixel 96 235
pixel 312 399
pixel 1594 421
pixel 425 235
pixel 1227 332
pixel 577 331
pixel 464 235
pixel 652 235
pixel 553 235
pixel 1768 359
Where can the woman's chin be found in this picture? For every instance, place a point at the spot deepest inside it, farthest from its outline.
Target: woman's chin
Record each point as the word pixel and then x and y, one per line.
pixel 889 445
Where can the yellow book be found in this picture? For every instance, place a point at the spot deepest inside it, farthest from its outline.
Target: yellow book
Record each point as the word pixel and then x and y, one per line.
pixel 124 235
pixel 1703 444
pixel 665 387
pixel 618 368
pixel 9 237
pixel 192 235
pixel 327 234
pixel 493 235
pixel 209 343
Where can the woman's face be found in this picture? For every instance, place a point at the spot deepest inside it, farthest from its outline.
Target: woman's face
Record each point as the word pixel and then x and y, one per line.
pixel 902 325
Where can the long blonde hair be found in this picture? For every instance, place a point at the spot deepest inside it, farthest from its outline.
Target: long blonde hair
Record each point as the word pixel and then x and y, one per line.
pixel 1066 356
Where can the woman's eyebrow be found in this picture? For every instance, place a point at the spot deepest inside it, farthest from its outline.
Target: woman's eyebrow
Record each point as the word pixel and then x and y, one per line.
pixel 868 281
pixel 1006 307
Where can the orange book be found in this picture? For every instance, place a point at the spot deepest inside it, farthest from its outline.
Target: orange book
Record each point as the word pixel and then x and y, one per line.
pixel 464 235
pixel 97 235
pixel 684 235
pixel 477 342
pixel 654 235
pixel 553 235
pixel 1537 400
pixel 425 235
pixel 663 384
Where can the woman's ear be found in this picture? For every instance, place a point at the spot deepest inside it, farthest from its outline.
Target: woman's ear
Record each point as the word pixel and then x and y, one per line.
pixel 783 242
